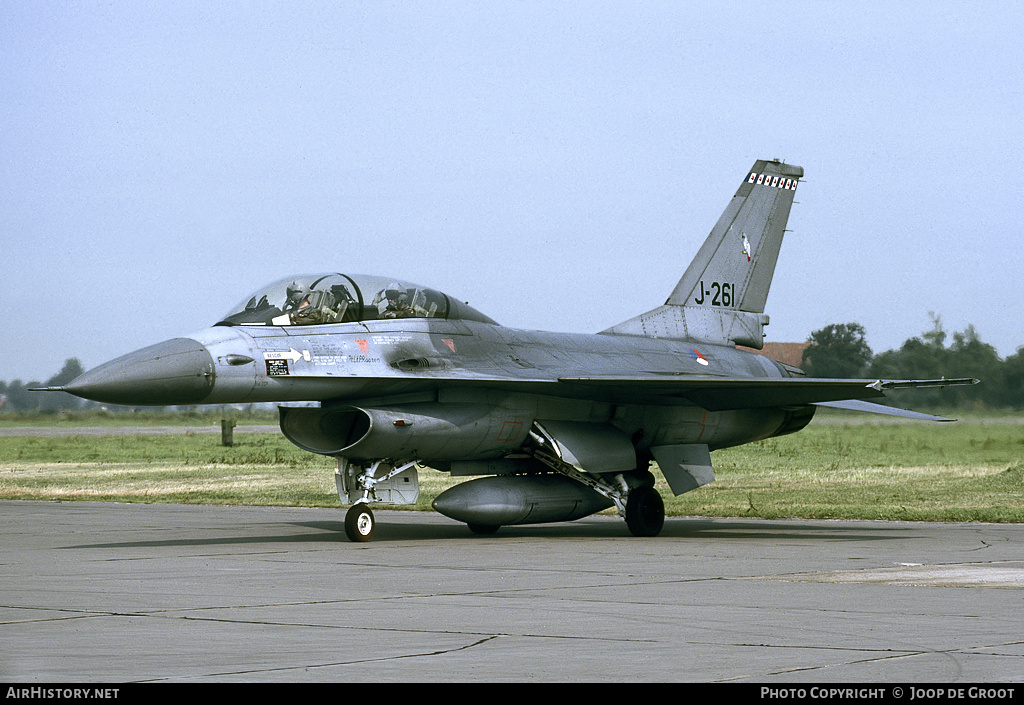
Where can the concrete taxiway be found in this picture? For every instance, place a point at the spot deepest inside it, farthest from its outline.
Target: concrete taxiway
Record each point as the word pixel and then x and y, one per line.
pixel 103 592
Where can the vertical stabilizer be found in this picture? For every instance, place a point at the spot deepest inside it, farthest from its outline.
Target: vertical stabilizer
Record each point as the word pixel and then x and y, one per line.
pixel 721 296
pixel 734 267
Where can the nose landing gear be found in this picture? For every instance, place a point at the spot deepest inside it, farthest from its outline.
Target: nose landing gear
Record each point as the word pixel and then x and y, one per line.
pixel 359 523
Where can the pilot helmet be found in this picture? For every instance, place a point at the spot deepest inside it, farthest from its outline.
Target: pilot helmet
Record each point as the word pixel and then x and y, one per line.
pixel 296 292
pixel 396 294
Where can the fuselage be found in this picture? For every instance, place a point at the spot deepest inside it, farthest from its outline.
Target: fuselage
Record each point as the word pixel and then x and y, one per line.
pixel 501 378
pixel 357 360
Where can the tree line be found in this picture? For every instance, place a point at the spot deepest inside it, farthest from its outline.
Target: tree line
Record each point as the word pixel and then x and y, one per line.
pixel 838 350
pixel 15 396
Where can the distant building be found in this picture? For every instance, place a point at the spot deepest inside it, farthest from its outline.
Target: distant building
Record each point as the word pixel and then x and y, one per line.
pixel 786 353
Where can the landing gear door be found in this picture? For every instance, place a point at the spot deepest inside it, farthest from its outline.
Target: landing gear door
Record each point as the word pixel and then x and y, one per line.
pixel 592 447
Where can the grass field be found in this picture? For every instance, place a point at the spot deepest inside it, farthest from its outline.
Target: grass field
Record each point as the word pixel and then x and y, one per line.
pixel 972 470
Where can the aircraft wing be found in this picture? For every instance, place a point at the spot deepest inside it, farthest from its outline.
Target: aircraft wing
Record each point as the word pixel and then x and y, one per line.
pixel 725 393
pixel 710 392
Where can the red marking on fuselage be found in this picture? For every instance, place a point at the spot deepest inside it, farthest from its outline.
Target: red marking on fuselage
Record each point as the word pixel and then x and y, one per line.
pixel 510 430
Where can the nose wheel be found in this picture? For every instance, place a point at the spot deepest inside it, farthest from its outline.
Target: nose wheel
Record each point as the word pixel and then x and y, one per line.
pixel 359 523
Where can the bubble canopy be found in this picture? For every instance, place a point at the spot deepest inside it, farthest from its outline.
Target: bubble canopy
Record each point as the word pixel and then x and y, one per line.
pixel 319 299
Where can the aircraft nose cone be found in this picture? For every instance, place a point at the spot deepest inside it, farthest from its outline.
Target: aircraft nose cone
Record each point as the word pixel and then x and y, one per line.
pixel 177 371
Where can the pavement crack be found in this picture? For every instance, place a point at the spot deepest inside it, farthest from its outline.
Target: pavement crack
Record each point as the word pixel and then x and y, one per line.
pixel 350 662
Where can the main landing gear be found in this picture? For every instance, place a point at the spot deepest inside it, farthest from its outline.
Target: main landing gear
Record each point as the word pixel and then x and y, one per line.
pixel 632 493
pixel 645 511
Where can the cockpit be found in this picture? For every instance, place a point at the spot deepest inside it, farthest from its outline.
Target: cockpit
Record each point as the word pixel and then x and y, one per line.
pixel 317 299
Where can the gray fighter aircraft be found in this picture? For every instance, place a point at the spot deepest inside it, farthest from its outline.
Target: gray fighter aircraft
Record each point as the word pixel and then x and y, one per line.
pixel 555 426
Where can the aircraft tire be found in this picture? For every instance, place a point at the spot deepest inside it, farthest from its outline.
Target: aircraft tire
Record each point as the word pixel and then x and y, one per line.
pixel 359 523
pixel 484 528
pixel 645 512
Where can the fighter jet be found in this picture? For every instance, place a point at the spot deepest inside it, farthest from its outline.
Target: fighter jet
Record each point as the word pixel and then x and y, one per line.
pixel 390 377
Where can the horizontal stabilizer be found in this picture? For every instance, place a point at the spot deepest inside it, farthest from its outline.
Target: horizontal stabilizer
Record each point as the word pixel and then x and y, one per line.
pixel 869 407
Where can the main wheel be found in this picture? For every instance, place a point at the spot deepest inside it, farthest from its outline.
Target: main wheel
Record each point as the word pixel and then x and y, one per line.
pixel 359 523
pixel 645 511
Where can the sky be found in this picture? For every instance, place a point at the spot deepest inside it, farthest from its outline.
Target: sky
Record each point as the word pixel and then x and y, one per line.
pixel 555 164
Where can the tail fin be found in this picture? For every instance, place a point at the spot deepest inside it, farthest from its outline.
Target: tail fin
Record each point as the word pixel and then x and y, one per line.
pixel 721 296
